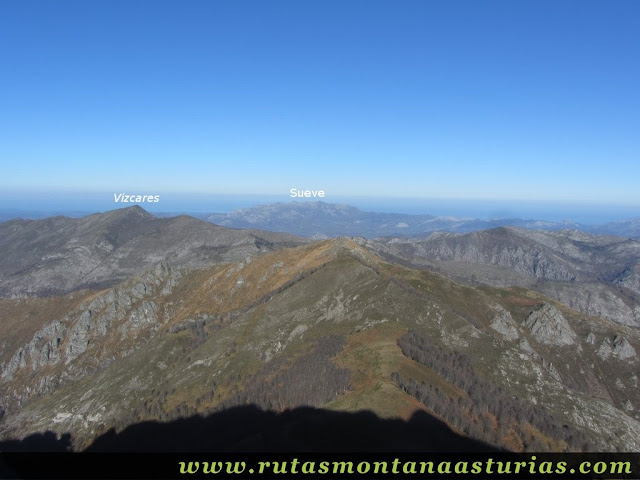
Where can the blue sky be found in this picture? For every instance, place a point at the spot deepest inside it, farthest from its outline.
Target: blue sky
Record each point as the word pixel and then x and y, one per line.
pixel 502 100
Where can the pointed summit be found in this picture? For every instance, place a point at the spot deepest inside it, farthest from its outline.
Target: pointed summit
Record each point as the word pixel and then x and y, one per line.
pixel 132 211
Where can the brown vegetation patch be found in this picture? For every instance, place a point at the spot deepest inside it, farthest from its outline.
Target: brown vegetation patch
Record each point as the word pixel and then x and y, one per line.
pixel 525 302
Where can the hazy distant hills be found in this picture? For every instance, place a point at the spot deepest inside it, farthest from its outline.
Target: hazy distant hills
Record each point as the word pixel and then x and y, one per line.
pixel 13 213
pixel 623 228
pixel 328 220
pixel 320 220
pixel 61 254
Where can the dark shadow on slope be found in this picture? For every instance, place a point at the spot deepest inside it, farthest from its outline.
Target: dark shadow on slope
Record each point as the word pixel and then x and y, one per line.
pixel 305 429
pixel 38 442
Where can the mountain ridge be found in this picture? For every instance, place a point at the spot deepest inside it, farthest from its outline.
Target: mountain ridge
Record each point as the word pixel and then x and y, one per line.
pixel 597 275
pixel 60 254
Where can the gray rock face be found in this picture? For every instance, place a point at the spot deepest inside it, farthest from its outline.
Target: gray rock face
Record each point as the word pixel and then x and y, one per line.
pixel 595 299
pixel 525 346
pixel 504 324
pixel 622 348
pixel 66 344
pixel 143 315
pixel 79 337
pixel 548 326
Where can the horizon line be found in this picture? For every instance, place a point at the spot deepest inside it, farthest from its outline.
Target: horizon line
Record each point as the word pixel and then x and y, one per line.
pixel 336 198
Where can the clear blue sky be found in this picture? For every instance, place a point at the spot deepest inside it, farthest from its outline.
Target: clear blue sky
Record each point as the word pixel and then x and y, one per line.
pixel 533 100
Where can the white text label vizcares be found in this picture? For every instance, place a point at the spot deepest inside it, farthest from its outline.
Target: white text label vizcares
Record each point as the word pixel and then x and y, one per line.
pixel 124 198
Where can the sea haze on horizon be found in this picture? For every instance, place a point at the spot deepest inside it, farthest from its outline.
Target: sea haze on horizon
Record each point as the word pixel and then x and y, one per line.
pixel 27 203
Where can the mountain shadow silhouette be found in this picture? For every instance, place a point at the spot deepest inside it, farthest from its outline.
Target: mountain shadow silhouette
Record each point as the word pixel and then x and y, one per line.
pixel 39 442
pixel 250 429
pixel 303 429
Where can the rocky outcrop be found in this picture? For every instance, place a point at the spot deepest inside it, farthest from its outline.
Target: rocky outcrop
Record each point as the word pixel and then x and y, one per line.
pixel 618 347
pixel 548 326
pixel 622 349
pixel 504 324
pixel 526 347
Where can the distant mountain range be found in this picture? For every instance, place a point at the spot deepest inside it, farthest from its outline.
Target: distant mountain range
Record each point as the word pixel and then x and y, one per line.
pixel 119 330
pixel 621 228
pixel 321 220
pixel 328 220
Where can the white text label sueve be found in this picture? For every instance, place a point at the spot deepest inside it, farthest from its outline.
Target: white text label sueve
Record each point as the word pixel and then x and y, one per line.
pixel 295 193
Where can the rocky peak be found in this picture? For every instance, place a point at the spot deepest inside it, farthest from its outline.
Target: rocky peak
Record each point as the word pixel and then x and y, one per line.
pixel 548 326
pixel 135 211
